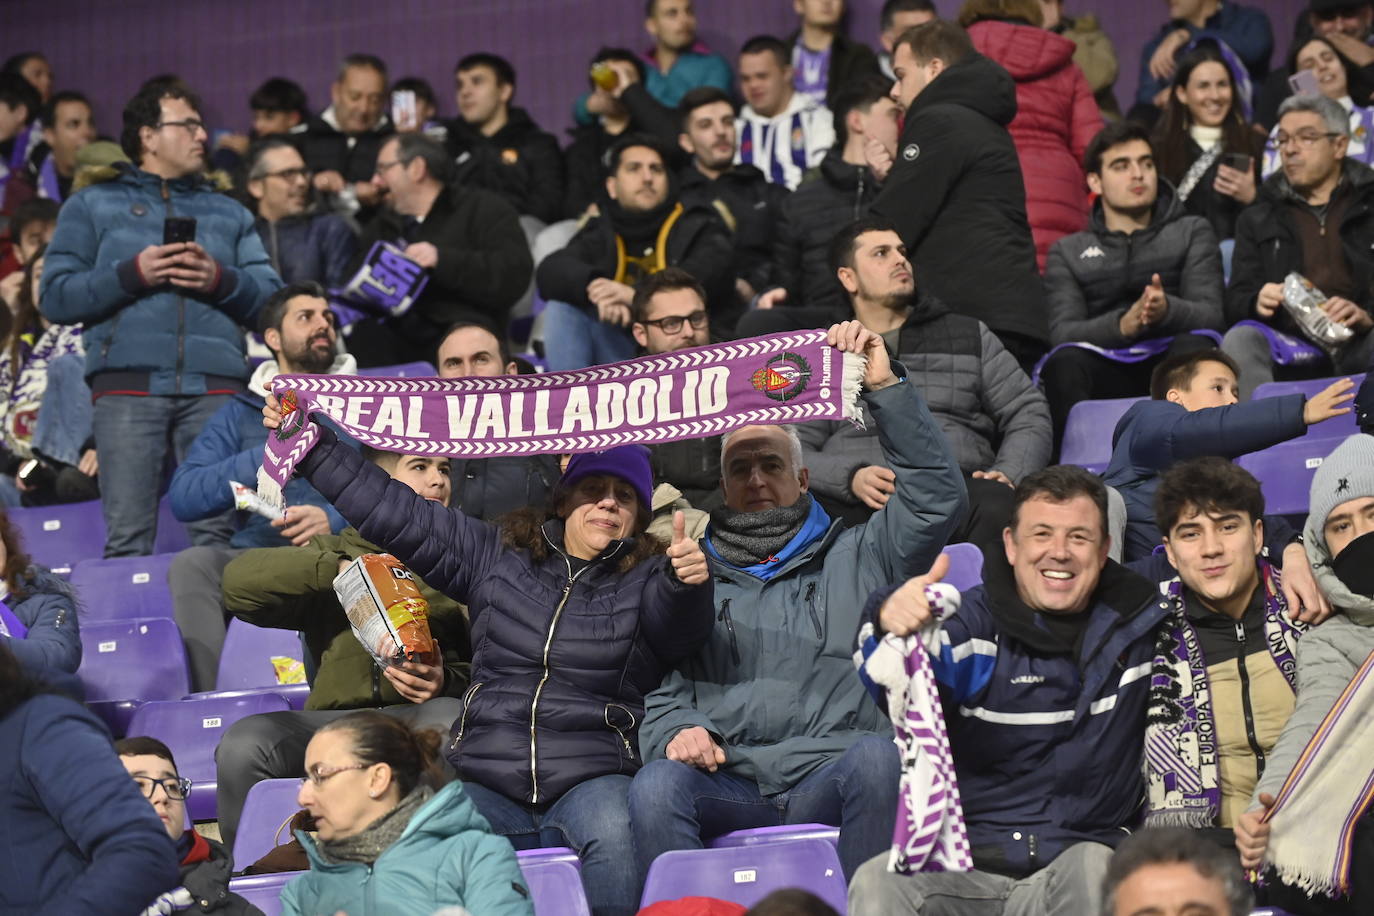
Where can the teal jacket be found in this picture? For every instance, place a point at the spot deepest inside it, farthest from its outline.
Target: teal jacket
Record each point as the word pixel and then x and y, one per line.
pixel 696 67
pixel 447 856
pixel 177 337
pixel 775 683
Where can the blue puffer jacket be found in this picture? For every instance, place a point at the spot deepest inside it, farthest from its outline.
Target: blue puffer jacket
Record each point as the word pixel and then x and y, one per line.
pixel 312 246
pixel 561 659
pixel 1047 741
pixel 46 605
pixel 230 447
pixel 447 856
pixel 76 836
pixel 91 277
pixel 1153 436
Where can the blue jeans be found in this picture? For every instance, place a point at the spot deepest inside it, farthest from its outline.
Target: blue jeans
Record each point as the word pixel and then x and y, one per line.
pixel 573 339
pixel 592 817
pixel 64 419
pixel 676 806
pixel 133 434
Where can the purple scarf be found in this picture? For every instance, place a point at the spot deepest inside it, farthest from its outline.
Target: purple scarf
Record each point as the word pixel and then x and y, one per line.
pixel 11 625
pixel 782 378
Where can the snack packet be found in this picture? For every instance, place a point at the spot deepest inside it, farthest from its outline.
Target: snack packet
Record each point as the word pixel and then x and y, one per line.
pixel 388 614
pixel 247 499
pixel 1304 302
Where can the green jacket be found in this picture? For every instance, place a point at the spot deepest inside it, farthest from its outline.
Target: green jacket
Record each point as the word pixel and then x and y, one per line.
pixel 292 588
pixel 447 856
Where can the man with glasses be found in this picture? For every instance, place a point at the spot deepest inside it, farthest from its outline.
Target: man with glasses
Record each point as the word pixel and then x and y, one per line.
pixel 304 244
pixel 164 320
pixel 205 864
pixel 1314 216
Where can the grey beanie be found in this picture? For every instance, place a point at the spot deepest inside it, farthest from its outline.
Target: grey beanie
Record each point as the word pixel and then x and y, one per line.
pixel 1345 474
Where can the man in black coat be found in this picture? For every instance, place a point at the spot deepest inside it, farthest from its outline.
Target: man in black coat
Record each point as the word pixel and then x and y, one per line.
pixel 497 146
pixel 642 228
pixel 340 146
pixel 468 239
pixel 955 191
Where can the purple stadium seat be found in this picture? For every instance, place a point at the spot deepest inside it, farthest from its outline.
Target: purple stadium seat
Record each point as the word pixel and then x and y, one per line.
pixel 746 874
pixel 127 662
pixel 172 536
pixel 124 587
pixel 1088 432
pixel 549 854
pixel 758 836
pixel 1286 349
pixel 1343 425
pixel 1285 472
pixel 1137 352
pixel 192 728
pixel 402 370
pixel 263 891
pixel 965 566
pixel 262 826
pixel 246 660
pixel 555 888
pixel 60 536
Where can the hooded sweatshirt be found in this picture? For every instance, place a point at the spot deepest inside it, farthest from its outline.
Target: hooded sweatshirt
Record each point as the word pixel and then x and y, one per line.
pixel 784 146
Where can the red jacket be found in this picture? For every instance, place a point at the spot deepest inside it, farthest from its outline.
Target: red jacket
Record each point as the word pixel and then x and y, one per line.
pixel 1056 118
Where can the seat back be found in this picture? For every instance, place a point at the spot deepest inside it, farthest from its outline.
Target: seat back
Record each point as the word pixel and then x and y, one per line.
pixel 758 836
pixel 1344 425
pixel 747 874
pixel 401 370
pixel 192 728
pixel 61 536
pixel 246 660
pixel 965 566
pixel 263 891
pixel 269 805
pixel 172 536
pixel 555 887
pixel 1088 432
pixel 122 588
pixel 1285 472
pixel 132 660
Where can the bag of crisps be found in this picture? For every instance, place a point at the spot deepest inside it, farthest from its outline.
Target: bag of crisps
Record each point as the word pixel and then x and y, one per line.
pixel 388 614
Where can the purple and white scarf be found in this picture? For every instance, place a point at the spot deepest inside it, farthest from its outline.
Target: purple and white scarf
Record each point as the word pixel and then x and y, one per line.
pixel 705 391
pixel 929 835
pixel 1182 777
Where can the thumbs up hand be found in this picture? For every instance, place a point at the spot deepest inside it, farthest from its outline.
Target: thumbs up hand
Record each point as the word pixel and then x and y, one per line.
pixel 689 563
pixel 908 609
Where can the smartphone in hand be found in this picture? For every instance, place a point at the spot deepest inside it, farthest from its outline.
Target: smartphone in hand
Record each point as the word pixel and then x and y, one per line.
pixel 1304 82
pixel 178 229
pixel 1241 162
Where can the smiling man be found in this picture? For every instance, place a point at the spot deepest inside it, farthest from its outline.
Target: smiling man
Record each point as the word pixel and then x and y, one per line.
pixel 1044 674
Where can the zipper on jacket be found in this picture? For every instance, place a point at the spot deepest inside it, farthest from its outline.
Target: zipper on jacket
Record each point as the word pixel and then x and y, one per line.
pixel 1032 850
pixel 376 686
pixel 724 616
pixel 811 607
pixel 1245 701
pixel 629 749
pixel 463 722
pixel 181 303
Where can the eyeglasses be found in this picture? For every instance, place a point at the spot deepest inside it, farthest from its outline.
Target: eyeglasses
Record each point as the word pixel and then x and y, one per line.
pixel 319 775
pixel 1305 139
pixel 383 166
pixel 288 174
pixel 673 323
pixel 192 125
pixel 176 789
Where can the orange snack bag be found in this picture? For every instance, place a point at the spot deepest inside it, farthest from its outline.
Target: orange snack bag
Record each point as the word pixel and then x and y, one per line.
pixel 388 614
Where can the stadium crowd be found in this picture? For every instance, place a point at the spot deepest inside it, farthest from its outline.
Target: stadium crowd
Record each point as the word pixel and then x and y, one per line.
pixel 1078 318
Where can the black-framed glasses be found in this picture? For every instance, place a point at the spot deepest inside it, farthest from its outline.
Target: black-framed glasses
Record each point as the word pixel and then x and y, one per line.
pixel 318 776
pixel 673 323
pixel 176 788
pixel 193 126
pixel 288 174
pixel 383 166
pixel 1304 139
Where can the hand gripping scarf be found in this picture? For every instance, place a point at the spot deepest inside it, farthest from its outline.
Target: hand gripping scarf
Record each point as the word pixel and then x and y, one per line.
pixel 781 378
pixel 1181 771
pixel 1312 823
pixel 930 835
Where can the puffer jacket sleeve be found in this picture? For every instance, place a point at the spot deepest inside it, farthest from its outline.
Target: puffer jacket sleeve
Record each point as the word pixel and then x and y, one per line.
pixel 831 472
pixel 200 484
pixel 563 276
pixel 489 875
pixel 281 587
pixel 1017 407
pixel 1069 318
pixel 1198 304
pixel 250 279
pixel 54 638
pixel 667 711
pixel 903 538
pixel 442 546
pixel 77 287
pixel 1168 434
pixel 676 618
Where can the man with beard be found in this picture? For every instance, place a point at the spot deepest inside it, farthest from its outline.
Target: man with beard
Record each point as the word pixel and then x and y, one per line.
pixel 995 420
pixel 304 244
pixel 299 328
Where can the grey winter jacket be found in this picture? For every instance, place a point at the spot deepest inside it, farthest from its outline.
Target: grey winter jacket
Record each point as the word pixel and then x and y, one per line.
pixel 991 414
pixel 1092 277
pixel 775 683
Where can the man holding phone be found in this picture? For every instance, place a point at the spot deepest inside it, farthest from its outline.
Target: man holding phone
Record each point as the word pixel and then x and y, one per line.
pixel 165 273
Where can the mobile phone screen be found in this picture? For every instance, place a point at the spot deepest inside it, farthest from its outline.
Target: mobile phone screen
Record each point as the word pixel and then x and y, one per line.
pixel 1304 82
pixel 178 229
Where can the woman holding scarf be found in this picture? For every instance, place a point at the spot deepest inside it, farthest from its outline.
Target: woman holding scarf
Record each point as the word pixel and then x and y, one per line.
pixel 576 614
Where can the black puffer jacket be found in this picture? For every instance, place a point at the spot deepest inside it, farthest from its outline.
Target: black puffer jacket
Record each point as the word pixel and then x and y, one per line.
pixel 835 194
pixel 1093 277
pixel 325 148
pixel 520 162
pixel 562 657
pixel 749 204
pixel 959 203
pixel 488 488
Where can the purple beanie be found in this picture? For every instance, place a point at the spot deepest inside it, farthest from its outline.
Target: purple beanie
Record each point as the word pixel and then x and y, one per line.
pixel 628 462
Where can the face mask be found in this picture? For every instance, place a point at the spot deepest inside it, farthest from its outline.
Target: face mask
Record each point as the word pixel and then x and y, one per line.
pixel 1355 565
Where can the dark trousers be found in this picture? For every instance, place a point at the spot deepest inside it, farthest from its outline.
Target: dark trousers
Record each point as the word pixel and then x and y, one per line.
pixel 989 509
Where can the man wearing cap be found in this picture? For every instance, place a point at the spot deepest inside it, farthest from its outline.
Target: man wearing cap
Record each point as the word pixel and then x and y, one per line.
pixel 768 723
pixel 1339 538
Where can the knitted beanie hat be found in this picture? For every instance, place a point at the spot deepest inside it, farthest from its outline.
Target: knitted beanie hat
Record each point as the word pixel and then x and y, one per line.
pixel 628 462
pixel 1345 474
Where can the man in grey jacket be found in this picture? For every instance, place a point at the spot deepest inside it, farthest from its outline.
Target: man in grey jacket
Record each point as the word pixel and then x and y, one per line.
pixel 1142 272
pixel 768 723
pixel 996 421
pixel 1339 538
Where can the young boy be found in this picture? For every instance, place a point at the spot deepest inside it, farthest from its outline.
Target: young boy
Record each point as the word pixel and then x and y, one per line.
pixel 1194 412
